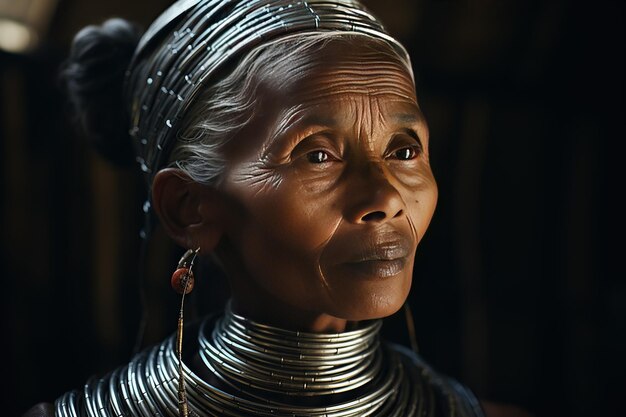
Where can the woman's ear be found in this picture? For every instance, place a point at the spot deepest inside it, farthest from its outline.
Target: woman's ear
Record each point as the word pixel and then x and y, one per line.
pixel 191 213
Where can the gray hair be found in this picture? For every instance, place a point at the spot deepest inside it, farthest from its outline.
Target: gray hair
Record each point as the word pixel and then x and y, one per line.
pixel 225 108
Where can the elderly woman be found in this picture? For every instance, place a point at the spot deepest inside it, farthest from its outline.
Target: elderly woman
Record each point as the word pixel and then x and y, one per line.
pixel 284 139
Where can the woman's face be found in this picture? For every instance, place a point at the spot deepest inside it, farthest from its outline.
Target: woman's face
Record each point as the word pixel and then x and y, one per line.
pixel 330 191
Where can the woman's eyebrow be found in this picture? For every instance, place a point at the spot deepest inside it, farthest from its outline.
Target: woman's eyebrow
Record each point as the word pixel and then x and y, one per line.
pixel 296 119
pixel 407 118
pixel 300 119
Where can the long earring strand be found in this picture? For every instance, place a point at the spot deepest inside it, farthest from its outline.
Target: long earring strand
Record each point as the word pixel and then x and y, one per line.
pixel 183 282
pixel 410 325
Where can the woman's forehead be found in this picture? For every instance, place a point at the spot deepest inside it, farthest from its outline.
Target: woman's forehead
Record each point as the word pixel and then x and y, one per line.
pixel 338 70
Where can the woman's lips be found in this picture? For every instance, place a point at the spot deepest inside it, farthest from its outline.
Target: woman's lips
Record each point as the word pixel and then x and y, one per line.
pixel 378 268
pixel 386 250
pixel 380 256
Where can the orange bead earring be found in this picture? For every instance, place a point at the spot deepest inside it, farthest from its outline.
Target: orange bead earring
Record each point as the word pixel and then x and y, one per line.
pixel 182 281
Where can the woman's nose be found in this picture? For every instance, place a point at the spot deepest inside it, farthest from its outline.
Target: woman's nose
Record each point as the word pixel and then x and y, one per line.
pixel 374 199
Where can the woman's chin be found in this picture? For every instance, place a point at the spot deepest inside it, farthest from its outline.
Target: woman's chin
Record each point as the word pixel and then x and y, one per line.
pixel 371 303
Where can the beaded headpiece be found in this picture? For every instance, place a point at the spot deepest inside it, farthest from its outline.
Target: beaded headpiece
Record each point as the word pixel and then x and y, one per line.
pixel 194 39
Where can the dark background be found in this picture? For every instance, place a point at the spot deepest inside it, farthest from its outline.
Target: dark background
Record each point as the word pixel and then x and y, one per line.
pixel 519 289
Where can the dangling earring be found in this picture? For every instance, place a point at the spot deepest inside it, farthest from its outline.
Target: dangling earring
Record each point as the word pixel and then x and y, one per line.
pixel 182 282
pixel 410 326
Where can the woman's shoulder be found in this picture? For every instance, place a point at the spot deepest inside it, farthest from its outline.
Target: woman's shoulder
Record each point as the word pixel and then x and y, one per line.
pixel 462 395
pixel 40 410
pixel 452 393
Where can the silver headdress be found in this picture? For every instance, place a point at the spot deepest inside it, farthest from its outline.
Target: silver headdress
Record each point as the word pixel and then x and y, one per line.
pixel 194 39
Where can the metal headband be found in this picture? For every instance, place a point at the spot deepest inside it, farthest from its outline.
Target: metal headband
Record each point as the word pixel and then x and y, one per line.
pixel 193 39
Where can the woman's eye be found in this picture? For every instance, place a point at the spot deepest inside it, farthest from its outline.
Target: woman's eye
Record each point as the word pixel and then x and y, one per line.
pixel 317 157
pixel 406 154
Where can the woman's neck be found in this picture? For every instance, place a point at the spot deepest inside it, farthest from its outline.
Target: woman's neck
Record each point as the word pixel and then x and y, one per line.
pixel 265 361
pixel 287 317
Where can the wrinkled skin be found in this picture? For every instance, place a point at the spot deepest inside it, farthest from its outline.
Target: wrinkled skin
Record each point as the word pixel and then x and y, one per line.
pixel 329 192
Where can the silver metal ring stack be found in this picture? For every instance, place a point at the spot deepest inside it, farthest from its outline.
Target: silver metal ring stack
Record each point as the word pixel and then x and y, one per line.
pixel 261 370
pixel 244 353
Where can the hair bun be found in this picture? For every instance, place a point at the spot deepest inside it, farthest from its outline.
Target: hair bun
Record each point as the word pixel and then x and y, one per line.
pixel 93 76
